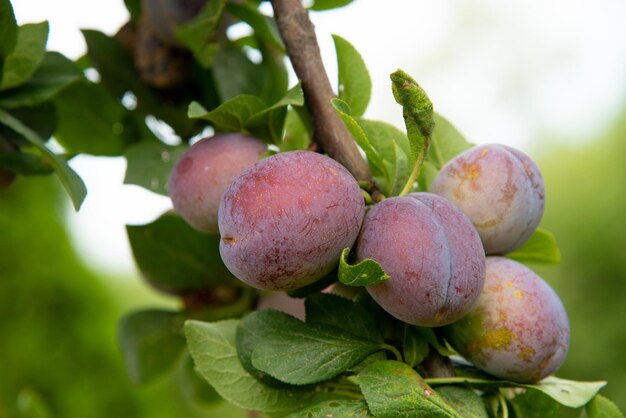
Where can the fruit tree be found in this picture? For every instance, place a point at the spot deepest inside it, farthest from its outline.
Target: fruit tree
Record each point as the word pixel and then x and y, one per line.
pixel 326 264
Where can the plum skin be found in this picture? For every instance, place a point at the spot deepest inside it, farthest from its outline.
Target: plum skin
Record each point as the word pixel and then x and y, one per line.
pixel 518 330
pixel 432 253
pixel 501 191
pixel 202 174
pixel 285 221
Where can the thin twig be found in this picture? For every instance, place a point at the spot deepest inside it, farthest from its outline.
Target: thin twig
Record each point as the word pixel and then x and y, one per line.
pixel 331 134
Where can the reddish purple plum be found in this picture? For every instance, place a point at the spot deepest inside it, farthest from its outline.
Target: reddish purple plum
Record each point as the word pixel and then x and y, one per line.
pixel 501 191
pixel 432 254
pixel 285 221
pixel 204 171
pixel 518 330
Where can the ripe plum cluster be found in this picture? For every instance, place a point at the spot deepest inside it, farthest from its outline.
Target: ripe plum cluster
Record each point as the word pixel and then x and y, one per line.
pixel 284 221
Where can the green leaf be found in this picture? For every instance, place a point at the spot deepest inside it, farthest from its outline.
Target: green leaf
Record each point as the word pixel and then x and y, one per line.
pixel 150 164
pixel 251 331
pixel 466 401
pixel 151 342
pixel 415 347
pixel 275 74
pixel 114 63
pixel 70 180
pixel 25 163
pixel 298 130
pixel 264 26
pixel 89 120
pixel 541 247
pixel 212 347
pixel 235 74
pixel 394 149
pixel 55 73
pixel 429 335
pixel 301 354
pixel 446 142
pixel 175 257
pixel 568 392
pixel 198 34
pixel 329 4
pixel 532 403
pixel 334 409
pixel 364 273
pixel 494 406
pixel 417 110
pixel 269 123
pixel 341 313
pixel 193 385
pixel 118 74
pixel 134 9
pixel 394 390
pixel 41 118
pixel 355 85
pixel 601 407
pixel 28 53
pixel 427 175
pixel 230 116
pixel 8 31
pixel 379 169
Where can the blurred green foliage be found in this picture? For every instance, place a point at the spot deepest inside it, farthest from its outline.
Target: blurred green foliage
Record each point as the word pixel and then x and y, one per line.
pixel 586 209
pixel 59 356
pixel 58 351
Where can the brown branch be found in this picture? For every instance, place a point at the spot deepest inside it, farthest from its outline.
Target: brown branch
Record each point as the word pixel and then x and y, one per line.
pixel 331 135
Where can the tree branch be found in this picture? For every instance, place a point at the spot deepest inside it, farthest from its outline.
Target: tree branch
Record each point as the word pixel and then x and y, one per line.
pixel 331 135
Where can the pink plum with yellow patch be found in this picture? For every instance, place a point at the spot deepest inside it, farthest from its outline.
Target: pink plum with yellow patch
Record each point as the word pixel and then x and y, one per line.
pixel 518 330
pixel 501 191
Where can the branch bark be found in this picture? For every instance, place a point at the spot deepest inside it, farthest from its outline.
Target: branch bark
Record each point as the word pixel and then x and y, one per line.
pixel 330 133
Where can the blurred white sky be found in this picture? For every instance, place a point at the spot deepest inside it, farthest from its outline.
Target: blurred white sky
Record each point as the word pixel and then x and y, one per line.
pixel 508 72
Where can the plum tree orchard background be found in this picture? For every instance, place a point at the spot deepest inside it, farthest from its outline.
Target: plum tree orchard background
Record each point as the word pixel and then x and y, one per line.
pixel 196 77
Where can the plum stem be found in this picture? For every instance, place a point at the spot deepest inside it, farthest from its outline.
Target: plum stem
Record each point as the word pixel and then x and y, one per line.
pixel 503 406
pixel 394 350
pixel 434 381
pixel 330 133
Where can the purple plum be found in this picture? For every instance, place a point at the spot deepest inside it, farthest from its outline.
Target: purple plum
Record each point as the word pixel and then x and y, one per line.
pixel 204 171
pixel 285 221
pixel 432 253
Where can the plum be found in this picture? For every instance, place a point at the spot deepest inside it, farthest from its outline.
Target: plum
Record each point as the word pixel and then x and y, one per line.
pixel 201 175
pixel 432 254
pixel 285 221
pixel 501 191
pixel 518 330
